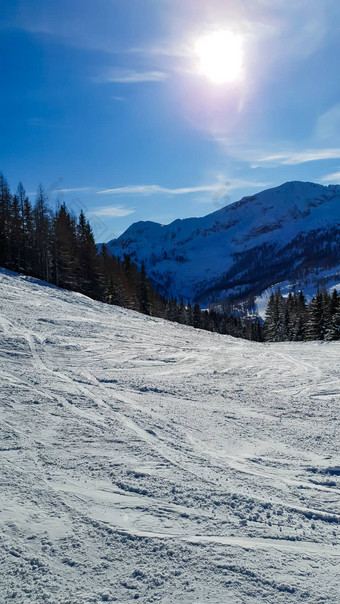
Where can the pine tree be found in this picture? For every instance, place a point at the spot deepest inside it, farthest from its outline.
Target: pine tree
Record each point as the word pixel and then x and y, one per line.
pixel 256 331
pixel 333 317
pixel 277 318
pixel 105 267
pixel 22 201
pixel 197 318
pixel 171 309
pixel 143 293
pixel 65 261
pixel 271 318
pixel 5 220
pixel 129 282
pixel 28 237
pixel 16 234
pixel 207 322
pixel 300 318
pixel 182 313
pixel 89 282
pixel 190 318
pixel 327 332
pixel 290 316
pixel 42 236
pixel 283 318
pixel 315 323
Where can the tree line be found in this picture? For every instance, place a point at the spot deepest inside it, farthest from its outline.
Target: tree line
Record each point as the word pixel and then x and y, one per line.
pixel 292 319
pixel 59 247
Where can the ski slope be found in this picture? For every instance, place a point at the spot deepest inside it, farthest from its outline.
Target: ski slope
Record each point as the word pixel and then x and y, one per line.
pixel 147 461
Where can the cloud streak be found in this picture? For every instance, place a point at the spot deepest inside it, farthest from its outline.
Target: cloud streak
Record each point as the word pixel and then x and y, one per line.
pixel 148 190
pixel 74 189
pixel 258 157
pixel 154 190
pixel 294 158
pixel 331 178
pixel 112 211
pixel 129 76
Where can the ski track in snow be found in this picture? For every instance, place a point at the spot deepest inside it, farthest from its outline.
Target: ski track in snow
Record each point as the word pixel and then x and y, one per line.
pixel 143 460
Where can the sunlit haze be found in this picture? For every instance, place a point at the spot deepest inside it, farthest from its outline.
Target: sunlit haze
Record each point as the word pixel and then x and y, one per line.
pixel 220 56
pixel 164 109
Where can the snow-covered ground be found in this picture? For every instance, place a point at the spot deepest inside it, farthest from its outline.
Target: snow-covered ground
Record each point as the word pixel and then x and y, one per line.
pixel 144 460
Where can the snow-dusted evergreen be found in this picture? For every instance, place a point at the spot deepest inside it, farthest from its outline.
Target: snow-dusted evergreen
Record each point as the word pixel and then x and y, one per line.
pixel 291 319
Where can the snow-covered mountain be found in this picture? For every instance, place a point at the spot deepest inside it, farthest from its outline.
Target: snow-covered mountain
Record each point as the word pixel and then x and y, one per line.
pixel 142 460
pixel 288 233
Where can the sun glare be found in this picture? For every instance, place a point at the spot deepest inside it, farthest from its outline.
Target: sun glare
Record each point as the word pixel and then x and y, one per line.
pixel 220 56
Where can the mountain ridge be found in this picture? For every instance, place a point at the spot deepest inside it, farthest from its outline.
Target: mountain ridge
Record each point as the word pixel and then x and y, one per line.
pixel 210 258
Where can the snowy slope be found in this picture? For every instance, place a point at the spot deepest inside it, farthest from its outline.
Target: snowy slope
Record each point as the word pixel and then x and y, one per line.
pixel 144 460
pixel 243 248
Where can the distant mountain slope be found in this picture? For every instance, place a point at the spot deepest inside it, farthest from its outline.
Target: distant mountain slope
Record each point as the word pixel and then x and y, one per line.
pixel 279 234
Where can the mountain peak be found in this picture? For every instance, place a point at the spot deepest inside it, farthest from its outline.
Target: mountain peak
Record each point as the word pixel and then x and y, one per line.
pixel 210 257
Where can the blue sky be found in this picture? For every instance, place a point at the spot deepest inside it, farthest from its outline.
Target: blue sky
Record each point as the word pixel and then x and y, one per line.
pixel 104 103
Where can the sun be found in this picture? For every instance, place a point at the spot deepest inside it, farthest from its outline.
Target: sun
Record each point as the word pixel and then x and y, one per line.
pixel 220 56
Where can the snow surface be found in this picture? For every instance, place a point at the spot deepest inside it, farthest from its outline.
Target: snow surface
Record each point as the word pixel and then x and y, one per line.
pixel 187 256
pixel 144 460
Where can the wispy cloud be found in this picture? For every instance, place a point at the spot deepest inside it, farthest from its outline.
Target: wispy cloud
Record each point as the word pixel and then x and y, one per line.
pixel 74 189
pixel 260 157
pixel 129 76
pixel 331 178
pixel 292 158
pixel 112 211
pixel 148 190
